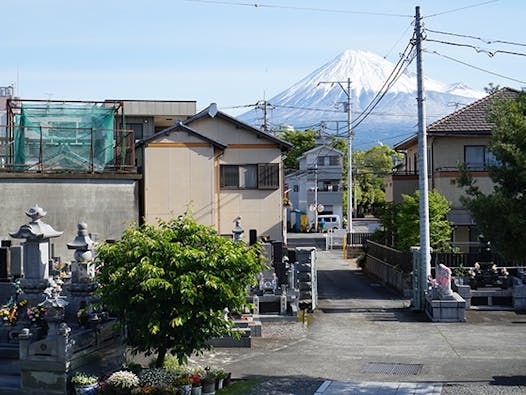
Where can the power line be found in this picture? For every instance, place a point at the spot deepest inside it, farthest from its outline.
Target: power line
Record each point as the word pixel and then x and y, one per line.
pixel 487 41
pixel 461 8
pixel 305 108
pixel 477 49
pixel 328 10
pixel 391 80
pixel 399 39
pixel 476 67
pixel 400 136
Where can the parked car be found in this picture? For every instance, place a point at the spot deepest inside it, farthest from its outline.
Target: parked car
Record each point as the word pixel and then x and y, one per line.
pixel 331 221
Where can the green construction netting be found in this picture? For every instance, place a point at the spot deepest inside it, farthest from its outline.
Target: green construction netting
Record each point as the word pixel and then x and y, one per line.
pixel 68 137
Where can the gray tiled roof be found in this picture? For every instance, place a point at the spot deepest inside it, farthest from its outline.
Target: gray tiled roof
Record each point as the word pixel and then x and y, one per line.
pixel 472 119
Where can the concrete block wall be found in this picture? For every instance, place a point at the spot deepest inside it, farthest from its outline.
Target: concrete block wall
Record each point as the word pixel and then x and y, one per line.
pixel 108 204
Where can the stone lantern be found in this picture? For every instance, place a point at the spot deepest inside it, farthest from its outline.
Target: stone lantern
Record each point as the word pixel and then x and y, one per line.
pixel 83 283
pixel 238 231
pixel 36 255
pixel 83 268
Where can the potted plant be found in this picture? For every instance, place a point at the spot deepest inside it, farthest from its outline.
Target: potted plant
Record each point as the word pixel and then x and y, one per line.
pixel 220 376
pixel 208 382
pixel 123 382
pixel 197 388
pixel 228 379
pixel 85 384
pixel 184 382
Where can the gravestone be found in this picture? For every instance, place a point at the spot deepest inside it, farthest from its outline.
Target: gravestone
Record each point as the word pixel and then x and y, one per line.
pixel 17 269
pixel 441 303
pixel 5 265
pixel 36 255
pixel 47 362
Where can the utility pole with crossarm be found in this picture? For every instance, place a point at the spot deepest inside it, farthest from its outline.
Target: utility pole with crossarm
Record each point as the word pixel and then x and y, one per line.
pixel 347 91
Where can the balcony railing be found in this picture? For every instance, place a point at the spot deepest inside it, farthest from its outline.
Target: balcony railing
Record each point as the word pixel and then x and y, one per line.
pixel 68 150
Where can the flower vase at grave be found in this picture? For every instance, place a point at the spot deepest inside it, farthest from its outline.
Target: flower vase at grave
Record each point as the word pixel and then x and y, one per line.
pixel 219 384
pixel 209 388
pixel 86 389
pixel 187 388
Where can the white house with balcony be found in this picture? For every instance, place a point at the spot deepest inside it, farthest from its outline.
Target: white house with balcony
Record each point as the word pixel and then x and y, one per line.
pixel 316 188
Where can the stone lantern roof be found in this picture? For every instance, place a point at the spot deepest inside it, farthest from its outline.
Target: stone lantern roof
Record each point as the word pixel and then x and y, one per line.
pixel 36 229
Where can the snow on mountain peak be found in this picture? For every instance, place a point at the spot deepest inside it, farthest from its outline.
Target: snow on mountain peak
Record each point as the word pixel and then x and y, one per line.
pixel 368 72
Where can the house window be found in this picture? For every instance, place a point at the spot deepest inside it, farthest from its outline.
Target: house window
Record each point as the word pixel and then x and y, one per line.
pixel 229 177
pixel 248 177
pixel 328 160
pixel 334 160
pixel 268 176
pixel 296 188
pixel 474 156
pixel 261 176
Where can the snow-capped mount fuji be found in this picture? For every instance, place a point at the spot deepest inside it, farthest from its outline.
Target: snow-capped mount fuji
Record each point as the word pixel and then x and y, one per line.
pixel 301 105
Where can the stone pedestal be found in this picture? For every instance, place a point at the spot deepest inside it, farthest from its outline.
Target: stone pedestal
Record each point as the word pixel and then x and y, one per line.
pixel 519 297
pixel 446 310
pixel 47 364
pixel 464 291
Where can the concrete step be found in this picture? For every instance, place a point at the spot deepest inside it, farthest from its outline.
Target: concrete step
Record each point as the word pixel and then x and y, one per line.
pixel 8 351
pixel 9 368
pixel 9 377
pixel 228 341
pixel 9 382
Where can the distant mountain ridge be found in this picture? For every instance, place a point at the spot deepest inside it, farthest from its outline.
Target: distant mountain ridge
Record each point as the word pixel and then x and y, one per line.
pixel 395 117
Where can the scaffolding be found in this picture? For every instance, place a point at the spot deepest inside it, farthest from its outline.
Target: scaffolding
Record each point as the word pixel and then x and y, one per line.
pixel 67 136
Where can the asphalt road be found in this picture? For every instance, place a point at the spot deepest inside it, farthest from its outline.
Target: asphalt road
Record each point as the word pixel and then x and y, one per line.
pixel 362 332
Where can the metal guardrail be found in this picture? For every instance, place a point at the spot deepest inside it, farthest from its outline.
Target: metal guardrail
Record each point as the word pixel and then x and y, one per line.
pixel 339 238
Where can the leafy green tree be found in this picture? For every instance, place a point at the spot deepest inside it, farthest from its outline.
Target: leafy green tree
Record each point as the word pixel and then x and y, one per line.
pixel 169 285
pixel 501 214
pixel 303 140
pixel 408 222
pixel 401 223
pixel 386 234
pixel 371 168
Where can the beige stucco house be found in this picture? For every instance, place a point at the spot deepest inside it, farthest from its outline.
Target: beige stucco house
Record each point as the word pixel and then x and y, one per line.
pixel 219 168
pixel 461 137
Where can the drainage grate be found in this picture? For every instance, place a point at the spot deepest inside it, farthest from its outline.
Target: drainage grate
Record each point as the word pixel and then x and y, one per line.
pixel 398 369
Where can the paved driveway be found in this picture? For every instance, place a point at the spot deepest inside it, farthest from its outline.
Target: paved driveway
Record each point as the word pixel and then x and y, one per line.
pixel 363 333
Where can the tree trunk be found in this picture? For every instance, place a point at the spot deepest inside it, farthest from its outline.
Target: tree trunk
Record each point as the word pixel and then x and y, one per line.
pixel 160 358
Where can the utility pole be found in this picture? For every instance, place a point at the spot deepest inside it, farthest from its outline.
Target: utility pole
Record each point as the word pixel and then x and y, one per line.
pixel 264 104
pixel 316 198
pixel 347 91
pixel 423 183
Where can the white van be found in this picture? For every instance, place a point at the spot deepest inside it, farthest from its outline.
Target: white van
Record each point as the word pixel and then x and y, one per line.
pixel 332 221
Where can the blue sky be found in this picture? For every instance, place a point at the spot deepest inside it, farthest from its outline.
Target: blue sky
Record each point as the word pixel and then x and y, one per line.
pixel 233 53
